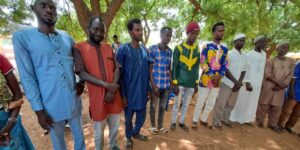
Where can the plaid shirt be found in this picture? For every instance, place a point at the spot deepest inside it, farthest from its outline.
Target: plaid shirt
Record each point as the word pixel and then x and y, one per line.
pixel 161 66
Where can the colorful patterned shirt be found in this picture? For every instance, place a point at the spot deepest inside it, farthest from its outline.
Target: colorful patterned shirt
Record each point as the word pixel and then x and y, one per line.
pixel 186 65
pixel 161 60
pixel 214 62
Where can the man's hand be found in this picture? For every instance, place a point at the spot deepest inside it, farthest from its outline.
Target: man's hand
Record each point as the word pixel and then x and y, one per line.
pixel 196 89
pixel 79 88
pixel 112 87
pixel 109 97
pixel 176 90
pixel 125 102
pixel 249 87
pixel 237 86
pixel 155 90
pixel 171 87
pixel 283 85
pixel 44 120
pixel 216 80
pixel 4 132
pixel 276 88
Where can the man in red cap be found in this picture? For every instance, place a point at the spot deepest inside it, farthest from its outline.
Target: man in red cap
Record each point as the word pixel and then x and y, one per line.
pixel 185 73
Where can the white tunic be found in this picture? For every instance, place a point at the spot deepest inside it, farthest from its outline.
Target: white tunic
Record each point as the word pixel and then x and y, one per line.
pixel 246 105
pixel 237 64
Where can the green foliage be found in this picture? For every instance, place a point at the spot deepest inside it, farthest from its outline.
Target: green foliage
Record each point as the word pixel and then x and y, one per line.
pixel 13 12
pixel 70 24
pixel 278 19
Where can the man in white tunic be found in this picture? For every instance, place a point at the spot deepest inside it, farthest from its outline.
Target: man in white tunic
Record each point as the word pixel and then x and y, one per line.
pixel 246 105
pixel 231 84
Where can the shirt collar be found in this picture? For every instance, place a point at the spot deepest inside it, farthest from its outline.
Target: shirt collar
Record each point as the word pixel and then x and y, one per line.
pixel 189 46
pixel 235 50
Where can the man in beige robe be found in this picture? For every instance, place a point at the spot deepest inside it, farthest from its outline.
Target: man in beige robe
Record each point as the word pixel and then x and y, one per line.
pixel 278 74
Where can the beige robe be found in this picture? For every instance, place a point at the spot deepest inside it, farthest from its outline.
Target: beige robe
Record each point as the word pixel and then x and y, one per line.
pixel 282 70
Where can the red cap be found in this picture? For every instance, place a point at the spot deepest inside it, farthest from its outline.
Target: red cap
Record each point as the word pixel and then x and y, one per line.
pixel 192 26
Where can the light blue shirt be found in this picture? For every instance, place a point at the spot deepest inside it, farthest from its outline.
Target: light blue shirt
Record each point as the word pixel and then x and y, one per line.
pixel 46 69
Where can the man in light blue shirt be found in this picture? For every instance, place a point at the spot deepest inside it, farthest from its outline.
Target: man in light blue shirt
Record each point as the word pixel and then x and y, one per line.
pixel 45 63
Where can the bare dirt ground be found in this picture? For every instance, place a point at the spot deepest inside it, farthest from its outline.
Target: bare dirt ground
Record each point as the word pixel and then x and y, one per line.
pixel 238 137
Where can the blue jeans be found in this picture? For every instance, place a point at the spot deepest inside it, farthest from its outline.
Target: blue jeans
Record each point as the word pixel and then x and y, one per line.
pixel 140 119
pixel 185 94
pixel 57 133
pixel 113 121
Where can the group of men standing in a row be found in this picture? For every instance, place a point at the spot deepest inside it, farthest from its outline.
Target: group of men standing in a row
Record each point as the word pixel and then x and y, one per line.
pixel 46 57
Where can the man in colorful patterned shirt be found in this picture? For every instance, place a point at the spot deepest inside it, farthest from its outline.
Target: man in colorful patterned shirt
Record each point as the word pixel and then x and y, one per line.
pixel 185 73
pixel 214 64
pixel 160 57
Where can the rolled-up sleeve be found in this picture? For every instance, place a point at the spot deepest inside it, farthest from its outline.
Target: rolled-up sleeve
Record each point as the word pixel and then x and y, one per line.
pixel 27 73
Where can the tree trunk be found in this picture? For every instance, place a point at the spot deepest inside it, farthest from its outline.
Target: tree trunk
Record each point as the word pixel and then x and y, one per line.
pixel 84 13
pixel 147 31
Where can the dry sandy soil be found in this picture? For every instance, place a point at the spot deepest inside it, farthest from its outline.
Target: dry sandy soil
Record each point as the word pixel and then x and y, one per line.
pixel 238 137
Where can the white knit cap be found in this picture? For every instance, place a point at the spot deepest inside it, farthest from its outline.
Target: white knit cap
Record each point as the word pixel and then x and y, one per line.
pixel 239 36
pixel 281 44
pixel 260 37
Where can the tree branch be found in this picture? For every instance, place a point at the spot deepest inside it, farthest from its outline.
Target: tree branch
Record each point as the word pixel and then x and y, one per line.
pixel 68 11
pixel 83 13
pixel 111 11
pixel 107 2
pixel 96 10
pixel 147 30
pixel 197 6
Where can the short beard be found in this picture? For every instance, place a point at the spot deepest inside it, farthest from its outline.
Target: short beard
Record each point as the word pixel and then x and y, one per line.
pixel 47 22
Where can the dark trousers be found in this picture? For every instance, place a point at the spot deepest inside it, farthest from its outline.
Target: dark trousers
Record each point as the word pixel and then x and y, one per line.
pixel 162 99
pixel 139 121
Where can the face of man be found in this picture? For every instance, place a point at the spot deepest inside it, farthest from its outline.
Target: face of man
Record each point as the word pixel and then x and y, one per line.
pixel 219 32
pixel 97 31
pixel 115 39
pixel 283 50
pixel 261 44
pixel 45 11
pixel 166 37
pixel 239 43
pixel 137 32
pixel 192 36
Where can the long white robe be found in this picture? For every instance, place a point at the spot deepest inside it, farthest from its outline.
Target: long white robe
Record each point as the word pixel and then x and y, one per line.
pixel 246 105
